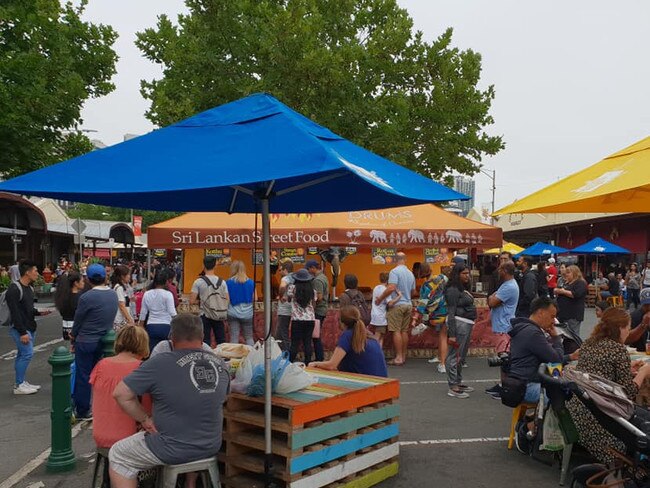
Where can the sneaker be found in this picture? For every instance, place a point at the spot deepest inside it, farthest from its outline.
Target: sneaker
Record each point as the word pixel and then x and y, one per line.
pixel 522 442
pixel 495 396
pixel 418 329
pixel 457 394
pixel 464 365
pixel 466 389
pixel 24 389
pixel 81 418
pixel 495 390
pixel 35 387
pixel 433 360
pixel 442 369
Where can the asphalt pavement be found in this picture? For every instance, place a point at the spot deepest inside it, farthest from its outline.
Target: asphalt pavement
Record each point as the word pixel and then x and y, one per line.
pixel 444 441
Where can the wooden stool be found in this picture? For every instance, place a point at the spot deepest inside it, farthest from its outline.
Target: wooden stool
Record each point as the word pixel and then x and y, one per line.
pixel 518 413
pixel 167 474
pixel 615 301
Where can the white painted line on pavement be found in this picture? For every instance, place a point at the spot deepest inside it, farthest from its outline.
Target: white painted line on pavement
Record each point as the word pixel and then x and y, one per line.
pixel 448 441
pixel 18 476
pixel 41 347
pixel 444 382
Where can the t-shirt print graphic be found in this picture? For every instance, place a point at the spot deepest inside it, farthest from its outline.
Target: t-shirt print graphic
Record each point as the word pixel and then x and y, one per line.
pixel 204 371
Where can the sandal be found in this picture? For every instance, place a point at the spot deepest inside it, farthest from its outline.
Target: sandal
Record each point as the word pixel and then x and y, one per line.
pixel 395 363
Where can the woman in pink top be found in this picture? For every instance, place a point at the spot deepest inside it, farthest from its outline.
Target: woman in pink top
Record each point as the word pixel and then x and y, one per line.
pixel 110 423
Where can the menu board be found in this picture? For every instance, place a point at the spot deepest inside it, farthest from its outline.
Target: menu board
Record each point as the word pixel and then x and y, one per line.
pixel 222 255
pixel 383 255
pixel 433 255
pixel 296 254
pixel 160 253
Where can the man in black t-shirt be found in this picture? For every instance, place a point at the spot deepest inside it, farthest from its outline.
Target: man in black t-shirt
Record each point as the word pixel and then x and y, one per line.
pixel 20 300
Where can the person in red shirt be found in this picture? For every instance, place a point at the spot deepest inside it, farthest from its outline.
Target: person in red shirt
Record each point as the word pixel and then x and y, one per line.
pixel 110 422
pixel 552 277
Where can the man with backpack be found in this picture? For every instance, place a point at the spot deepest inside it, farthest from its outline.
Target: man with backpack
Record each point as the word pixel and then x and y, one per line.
pixel 211 293
pixel 352 296
pixel 19 302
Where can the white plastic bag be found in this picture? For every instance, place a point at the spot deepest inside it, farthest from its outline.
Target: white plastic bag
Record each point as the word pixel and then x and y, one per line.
pixel 293 379
pixel 552 437
pixel 244 373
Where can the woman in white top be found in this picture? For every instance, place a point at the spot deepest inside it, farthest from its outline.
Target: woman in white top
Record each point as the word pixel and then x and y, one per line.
pixel 157 310
pixel 119 280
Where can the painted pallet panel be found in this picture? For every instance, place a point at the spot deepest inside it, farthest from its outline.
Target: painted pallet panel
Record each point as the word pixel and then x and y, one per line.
pixel 330 453
pixel 376 476
pixel 343 470
pixel 301 438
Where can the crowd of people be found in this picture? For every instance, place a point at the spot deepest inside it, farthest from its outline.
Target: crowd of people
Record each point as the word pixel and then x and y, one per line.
pixel 136 410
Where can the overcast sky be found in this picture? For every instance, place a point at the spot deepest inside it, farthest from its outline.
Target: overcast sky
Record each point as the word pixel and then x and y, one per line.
pixel 571 78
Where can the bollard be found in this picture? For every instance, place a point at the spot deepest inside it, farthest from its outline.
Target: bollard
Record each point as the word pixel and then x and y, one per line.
pixel 61 456
pixel 108 344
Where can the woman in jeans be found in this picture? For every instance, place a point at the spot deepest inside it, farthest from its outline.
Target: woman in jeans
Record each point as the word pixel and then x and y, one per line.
pixel 157 310
pixel 241 290
pixel 461 314
pixel 302 296
pixel 633 285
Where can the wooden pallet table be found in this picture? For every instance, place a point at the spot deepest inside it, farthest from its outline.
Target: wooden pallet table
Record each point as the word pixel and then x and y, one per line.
pixel 340 432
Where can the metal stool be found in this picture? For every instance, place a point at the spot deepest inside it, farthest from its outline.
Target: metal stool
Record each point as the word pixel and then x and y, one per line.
pixel 167 474
pixel 101 458
pixel 518 413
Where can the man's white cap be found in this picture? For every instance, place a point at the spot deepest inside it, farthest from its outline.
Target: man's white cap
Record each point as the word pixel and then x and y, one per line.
pixel 551 260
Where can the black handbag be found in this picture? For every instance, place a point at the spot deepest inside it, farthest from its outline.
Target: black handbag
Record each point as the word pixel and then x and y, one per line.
pixel 513 391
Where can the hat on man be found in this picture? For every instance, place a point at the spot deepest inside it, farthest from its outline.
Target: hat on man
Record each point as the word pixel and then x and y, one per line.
pixel 312 263
pixel 96 271
pixel 644 296
pixel 302 275
pixel 458 260
pixel 551 260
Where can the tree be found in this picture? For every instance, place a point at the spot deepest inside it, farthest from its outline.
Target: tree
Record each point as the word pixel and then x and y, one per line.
pixel 102 212
pixel 51 62
pixel 355 66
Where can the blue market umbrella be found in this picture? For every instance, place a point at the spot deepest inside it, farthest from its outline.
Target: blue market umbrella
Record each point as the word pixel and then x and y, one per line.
pixel 542 249
pixel 254 154
pixel 600 246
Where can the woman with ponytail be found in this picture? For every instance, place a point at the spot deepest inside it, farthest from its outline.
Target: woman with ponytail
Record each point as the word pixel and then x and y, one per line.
pixel 68 290
pixel 356 351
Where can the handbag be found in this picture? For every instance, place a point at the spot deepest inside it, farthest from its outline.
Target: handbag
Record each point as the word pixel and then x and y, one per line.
pixel 513 391
pixel 316 333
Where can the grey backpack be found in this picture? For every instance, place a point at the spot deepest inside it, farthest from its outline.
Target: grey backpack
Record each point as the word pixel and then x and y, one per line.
pixel 5 313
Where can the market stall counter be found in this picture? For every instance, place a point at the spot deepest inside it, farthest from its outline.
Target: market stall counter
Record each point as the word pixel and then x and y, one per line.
pixel 342 430
pixel 424 345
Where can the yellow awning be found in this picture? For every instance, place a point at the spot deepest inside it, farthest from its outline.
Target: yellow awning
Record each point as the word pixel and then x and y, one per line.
pixel 507 247
pixel 618 183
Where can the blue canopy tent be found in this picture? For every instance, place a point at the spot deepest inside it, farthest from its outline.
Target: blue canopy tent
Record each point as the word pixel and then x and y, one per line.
pixel 542 249
pixel 254 154
pixel 599 246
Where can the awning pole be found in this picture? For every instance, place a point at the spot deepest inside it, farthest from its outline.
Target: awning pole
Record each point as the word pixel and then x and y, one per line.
pixel 266 253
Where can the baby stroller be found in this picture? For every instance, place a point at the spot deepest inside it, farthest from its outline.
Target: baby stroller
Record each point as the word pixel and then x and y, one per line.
pixel 571 342
pixel 617 415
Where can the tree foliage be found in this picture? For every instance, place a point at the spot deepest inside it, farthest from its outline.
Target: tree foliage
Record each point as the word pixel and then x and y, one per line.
pixel 355 66
pixel 51 62
pixel 102 212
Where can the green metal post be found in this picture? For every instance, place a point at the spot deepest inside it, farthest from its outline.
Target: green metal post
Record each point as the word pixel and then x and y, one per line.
pixel 61 456
pixel 108 344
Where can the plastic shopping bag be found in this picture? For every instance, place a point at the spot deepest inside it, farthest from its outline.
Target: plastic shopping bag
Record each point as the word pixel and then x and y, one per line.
pixel 552 437
pixel 293 379
pixel 252 366
pixel 258 381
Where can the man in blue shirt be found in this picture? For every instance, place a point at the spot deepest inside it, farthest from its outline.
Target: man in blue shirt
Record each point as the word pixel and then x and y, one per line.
pixel 503 305
pixel 401 283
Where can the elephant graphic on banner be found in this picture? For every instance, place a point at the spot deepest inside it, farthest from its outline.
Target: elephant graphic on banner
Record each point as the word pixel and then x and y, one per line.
pixel 416 235
pixel 378 236
pixel 454 237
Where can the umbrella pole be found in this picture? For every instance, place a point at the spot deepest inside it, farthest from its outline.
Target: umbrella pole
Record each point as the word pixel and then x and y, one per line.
pixel 266 251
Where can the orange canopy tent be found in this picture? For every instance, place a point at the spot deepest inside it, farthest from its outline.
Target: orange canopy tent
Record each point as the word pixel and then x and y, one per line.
pixel 402 227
